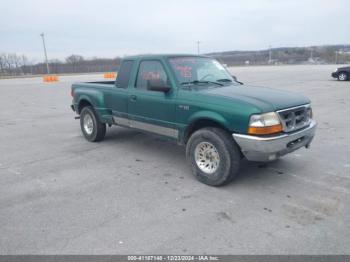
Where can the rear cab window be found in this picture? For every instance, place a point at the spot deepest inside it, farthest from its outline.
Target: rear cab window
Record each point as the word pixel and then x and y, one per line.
pixel 124 74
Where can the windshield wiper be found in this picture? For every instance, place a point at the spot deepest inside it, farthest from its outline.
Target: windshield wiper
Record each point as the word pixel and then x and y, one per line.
pixel 195 82
pixel 224 80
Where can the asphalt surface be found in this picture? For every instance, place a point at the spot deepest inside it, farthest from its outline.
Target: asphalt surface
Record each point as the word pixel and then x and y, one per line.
pixel 134 193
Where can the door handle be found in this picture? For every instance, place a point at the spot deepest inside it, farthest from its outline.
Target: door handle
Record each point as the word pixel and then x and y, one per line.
pixel 133 98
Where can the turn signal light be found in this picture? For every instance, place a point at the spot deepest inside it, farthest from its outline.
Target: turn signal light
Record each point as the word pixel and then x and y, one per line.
pixel 265 130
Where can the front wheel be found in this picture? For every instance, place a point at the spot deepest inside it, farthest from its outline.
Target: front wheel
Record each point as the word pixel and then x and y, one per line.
pixel 93 130
pixel 342 76
pixel 213 155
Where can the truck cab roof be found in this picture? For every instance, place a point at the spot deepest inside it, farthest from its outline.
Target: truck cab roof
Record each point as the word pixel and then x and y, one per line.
pixel 159 56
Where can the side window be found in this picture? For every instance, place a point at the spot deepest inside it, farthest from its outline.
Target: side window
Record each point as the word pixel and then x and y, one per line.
pixel 124 74
pixel 150 70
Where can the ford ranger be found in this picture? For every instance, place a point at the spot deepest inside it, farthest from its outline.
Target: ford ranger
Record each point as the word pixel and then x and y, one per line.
pixel 196 102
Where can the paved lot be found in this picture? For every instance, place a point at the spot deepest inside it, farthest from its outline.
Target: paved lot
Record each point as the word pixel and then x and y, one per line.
pixel 134 193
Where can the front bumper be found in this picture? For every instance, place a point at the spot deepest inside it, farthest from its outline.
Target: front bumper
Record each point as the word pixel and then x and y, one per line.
pixel 257 148
pixel 335 75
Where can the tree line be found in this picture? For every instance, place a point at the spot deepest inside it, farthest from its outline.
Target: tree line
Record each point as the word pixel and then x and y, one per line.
pixel 12 64
pixel 336 54
pixel 18 64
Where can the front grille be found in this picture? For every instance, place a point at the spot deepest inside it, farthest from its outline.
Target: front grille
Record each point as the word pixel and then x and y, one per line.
pixel 295 118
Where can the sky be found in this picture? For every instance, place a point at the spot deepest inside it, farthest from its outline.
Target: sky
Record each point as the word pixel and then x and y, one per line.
pixel 107 28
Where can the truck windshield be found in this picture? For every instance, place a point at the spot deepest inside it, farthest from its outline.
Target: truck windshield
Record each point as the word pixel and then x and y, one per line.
pixel 199 70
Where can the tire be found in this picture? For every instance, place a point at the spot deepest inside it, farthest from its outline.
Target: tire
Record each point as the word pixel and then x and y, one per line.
pixel 93 130
pixel 203 147
pixel 343 76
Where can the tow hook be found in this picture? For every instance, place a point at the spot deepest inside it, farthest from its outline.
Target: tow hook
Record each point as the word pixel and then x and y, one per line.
pixel 77 117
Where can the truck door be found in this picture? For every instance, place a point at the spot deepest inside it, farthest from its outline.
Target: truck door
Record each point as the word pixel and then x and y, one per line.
pixel 149 110
pixel 116 99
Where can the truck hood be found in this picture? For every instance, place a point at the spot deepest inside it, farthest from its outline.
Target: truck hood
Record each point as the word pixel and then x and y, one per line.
pixel 267 99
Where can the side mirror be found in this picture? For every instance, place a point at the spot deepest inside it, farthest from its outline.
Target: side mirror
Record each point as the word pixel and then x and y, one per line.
pixel 158 85
pixel 235 78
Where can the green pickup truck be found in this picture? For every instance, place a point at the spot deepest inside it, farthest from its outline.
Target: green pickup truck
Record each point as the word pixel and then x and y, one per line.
pixel 196 102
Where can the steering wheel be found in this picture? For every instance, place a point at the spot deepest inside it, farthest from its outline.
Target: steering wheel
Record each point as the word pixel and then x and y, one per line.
pixel 206 76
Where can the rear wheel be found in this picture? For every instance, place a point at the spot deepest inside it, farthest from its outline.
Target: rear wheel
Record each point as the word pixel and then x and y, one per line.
pixel 213 155
pixel 93 130
pixel 342 76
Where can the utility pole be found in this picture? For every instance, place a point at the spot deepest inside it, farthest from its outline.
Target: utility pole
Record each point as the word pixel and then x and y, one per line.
pixel 47 63
pixel 312 54
pixel 198 43
pixel 336 57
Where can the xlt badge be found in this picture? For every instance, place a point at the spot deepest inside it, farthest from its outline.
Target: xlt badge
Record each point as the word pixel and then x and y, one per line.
pixel 184 107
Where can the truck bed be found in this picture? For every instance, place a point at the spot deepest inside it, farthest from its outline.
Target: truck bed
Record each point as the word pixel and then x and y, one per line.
pixel 101 82
pixel 95 84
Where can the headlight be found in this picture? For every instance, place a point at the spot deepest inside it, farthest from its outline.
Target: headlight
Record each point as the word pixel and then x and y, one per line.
pixel 335 70
pixel 264 124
